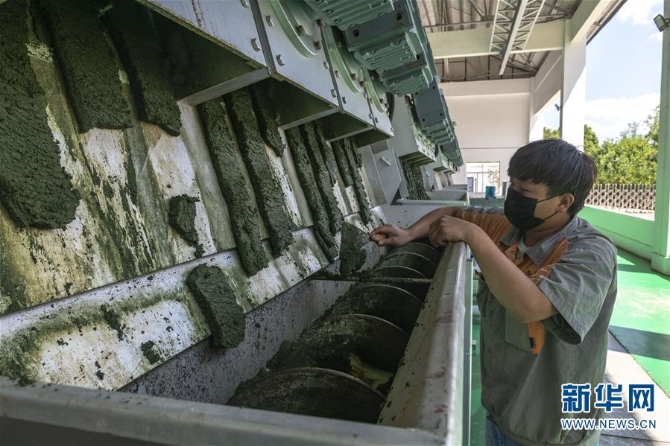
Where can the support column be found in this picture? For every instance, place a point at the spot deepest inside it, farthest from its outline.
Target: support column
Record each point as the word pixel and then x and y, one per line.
pixel 545 90
pixel 536 123
pixel 660 250
pixel 573 91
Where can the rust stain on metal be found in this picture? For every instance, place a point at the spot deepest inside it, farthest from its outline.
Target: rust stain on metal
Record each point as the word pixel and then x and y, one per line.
pixel 436 375
pixel 447 318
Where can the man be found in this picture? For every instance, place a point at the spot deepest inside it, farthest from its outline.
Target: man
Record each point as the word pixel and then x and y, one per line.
pixel 548 286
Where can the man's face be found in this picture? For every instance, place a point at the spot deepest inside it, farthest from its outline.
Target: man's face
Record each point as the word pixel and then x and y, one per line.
pixel 538 191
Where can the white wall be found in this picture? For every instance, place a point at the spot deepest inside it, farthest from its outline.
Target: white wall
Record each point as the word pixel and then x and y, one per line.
pixel 492 120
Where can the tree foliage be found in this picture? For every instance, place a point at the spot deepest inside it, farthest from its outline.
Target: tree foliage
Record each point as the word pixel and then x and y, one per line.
pixel 591 143
pixel 548 133
pixel 652 122
pixel 628 159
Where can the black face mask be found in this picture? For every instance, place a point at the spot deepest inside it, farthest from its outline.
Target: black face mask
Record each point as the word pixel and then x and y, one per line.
pixel 520 211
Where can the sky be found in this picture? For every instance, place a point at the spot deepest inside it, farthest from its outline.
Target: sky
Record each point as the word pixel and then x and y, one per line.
pixel 623 71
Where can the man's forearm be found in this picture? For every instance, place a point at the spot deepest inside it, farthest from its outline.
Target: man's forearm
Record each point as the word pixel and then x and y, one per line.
pixel 422 225
pixel 513 289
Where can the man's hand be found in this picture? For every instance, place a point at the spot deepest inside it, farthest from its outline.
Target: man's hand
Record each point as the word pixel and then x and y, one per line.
pixel 449 229
pixel 390 235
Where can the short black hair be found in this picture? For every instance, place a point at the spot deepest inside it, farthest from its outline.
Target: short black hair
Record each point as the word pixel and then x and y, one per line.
pixel 558 165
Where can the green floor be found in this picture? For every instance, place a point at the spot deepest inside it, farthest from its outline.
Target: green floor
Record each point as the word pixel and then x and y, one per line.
pixel 640 322
pixel 641 318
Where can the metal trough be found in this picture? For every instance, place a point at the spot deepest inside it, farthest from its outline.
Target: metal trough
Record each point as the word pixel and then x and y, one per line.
pixel 180 402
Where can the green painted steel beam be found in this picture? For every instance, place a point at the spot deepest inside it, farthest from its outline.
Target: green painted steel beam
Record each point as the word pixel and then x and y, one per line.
pixel 660 256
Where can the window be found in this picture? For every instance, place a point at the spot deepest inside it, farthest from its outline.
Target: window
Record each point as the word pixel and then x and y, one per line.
pixel 480 175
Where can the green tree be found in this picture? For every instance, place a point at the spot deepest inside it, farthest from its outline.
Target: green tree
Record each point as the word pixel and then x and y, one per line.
pixel 590 137
pixel 548 133
pixel 630 158
pixel 652 122
pixel 627 159
pixel 591 143
pixel 594 149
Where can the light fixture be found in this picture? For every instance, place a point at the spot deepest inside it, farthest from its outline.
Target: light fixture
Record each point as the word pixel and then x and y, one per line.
pixel 661 22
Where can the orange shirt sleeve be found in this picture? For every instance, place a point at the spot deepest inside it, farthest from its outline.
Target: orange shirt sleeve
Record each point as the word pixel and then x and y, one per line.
pixel 495 225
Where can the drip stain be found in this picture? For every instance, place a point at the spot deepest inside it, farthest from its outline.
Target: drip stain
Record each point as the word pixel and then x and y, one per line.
pixel 218 304
pixel 87 64
pixel 132 179
pixel 243 215
pixel 322 176
pixel 141 55
pixel 126 246
pixel 113 320
pixel 19 351
pixel 322 232
pixel 270 199
pixel 34 188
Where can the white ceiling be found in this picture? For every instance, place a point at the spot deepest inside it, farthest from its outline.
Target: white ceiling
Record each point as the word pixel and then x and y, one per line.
pixel 460 34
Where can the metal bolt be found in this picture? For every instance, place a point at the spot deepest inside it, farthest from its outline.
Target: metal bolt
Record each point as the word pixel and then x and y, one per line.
pixel 300 30
pixel 245 3
pixel 344 100
pixel 325 64
pixel 280 61
pixel 371 116
pixel 254 44
pixel 361 83
pixel 319 23
pixel 337 73
pixel 353 76
pixel 317 45
pixel 333 93
pixel 270 21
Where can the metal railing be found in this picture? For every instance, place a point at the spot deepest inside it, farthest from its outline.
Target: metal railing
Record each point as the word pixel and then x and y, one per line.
pixel 623 196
